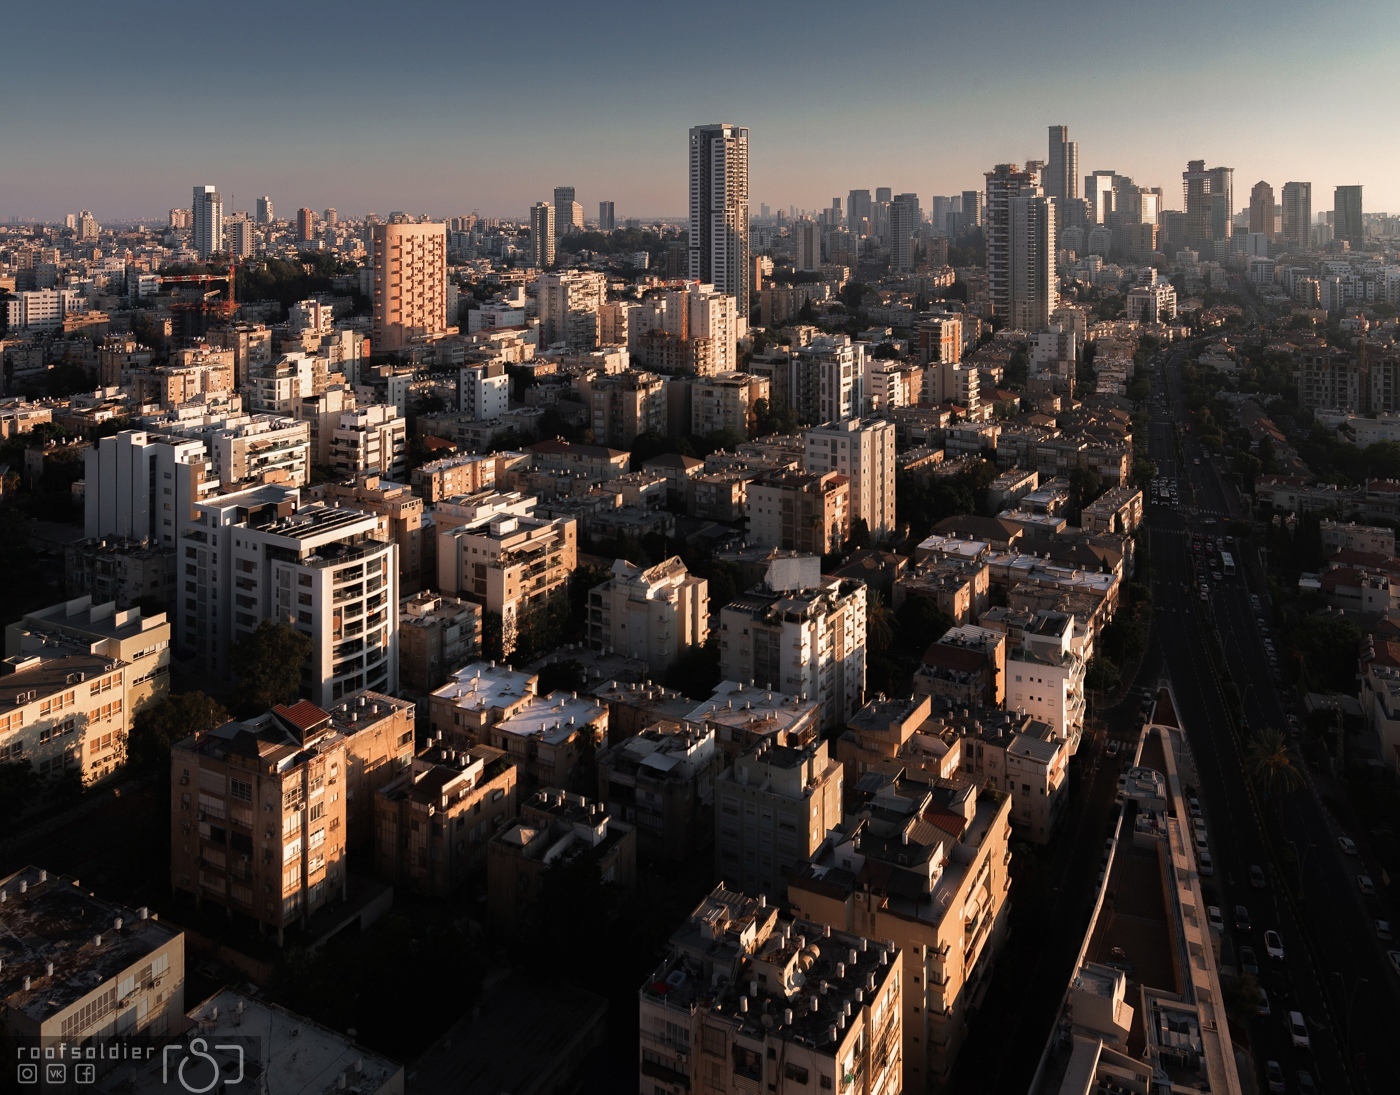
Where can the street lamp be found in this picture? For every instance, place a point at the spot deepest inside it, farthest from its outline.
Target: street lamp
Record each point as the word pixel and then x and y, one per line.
pixel 1302 895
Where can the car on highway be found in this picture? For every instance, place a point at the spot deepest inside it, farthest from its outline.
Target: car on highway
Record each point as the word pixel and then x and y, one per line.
pixel 1306 1084
pixel 1216 920
pixel 1242 919
pixel 1112 749
pixel 1205 865
pixel 1346 844
pixel 1249 961
pixel 1273 945
pixel 1274 1073
pixel 1205 594
pixel 1394 957
pixel 1256 876
pixel 1383 931
pixel 1364 884
pixel 1298 1031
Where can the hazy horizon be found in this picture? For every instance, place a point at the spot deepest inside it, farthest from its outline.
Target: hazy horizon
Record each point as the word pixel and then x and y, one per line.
pixel 485 112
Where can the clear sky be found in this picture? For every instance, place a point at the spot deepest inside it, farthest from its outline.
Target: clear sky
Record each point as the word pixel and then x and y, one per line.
pixel 122 106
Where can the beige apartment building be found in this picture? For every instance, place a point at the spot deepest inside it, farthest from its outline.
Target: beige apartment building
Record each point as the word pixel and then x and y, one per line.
pixel 85 626
pixel 80 969
pixel 66 713
pixel 371 440
pixel 773 807
pixel 433 821
pixel 862 451
pixel 510 564
pixel 410 283
pixel 437 634
pixel 726 402
pixel 800 511
pixel 569 302
pixel 656 615
pixel 745 1002
pixel 924 864
pixel 554 827
pixel 453 476
pixel 662 781
pixel 321 412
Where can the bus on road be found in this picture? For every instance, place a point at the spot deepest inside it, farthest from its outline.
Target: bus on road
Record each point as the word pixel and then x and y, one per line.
pixel 1227 563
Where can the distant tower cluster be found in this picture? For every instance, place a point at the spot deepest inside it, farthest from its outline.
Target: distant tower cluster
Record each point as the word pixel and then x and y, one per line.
pixel 607 219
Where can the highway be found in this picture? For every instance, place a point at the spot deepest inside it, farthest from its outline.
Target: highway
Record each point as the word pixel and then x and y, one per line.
pixel 1335 970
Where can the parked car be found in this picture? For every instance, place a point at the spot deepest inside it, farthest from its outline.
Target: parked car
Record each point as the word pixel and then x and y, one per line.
pixel 1249 962
pixel 1383 931
pixel 1306 1084
pixel 1194 804
pixel 1112 749
pixel 1263 1006
pixel 1347 845
pixel 1273 945
pixel 1256 876
pixel 1274 1074
pixel 1213 916
pixel 1242 919
pixel 1364 883
pixel 1298 1031
pixel 1205 865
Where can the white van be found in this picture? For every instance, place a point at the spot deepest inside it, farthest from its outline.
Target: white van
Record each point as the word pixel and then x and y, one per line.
pixel 1298 1030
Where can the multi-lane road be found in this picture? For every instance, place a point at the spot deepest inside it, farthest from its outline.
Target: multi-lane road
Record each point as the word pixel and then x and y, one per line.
pixel 1335 971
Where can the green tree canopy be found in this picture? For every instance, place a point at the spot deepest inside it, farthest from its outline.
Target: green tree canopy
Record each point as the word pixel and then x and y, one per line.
pixel 268 664
pixel 159 724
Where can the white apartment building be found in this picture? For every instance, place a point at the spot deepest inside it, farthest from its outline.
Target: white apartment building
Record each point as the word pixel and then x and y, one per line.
pixel 207 220
pixel 371 440
pixel 321 412
pixel 43 309
pixel 1045 676
pixel 140 486
pixel 802 634
pixel 251 449
pixel 719 210
pixel 654 615
pixel 253 556
pixel 827 381
pixel 725 402
pixel 952 382
pixel 483 391
pixel 568 307
pixel 862 451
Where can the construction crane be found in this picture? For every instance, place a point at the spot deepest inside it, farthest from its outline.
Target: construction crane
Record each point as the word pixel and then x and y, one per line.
pixel 196 316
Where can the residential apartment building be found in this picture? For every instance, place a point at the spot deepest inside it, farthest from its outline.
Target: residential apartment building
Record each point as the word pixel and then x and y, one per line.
pixel 207 220
pixel 801 633
pixel 656 615
pixel 79 968
pixel 84 626
pixel 938 338
pixel 745 1002
pixel 511 564
pixel 862 451
pixel 662 780
pixel 410 283
pixel 258 818
pixel 371 440
pixel 800 511
pixel 924 863
pixel 252 556
pixel 140 486
pixel 541 235
pixel 437 635
pixel 1297 215
pixel 453 476
pixel 568 308
pixel 726 402
pixel 743 715
pixel 624 405
pixel 400 521
pixel 967 665
pixel 123 572
pixel 554 827
pixel 1045 676
pixel 718 243
pixel 483 390
pixel 322 411
pixel 773 807
pixel 433 822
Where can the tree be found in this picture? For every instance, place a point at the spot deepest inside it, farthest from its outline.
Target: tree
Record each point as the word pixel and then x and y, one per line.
pixel 1270 763
pixel 159 724
pixel 268 664
pixel 879 623
pixel 19 786
pixel 921 623
pixel 860 534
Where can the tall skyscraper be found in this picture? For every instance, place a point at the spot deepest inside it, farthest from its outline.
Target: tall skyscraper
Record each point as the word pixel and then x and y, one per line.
pixel 242 239
pixel 410 282
pixel 207 214
pixel 809 244
pixel 607 219
pixel 1021 240
pixel 1209 194
pixel 306 224
pixel 1297 214
pixel 972 209
pixel 1098 192
pixel 1346 216
pixel 719 210
pixel 833 218
pixel 1261 208
pixel 542 234
pixel 331 216
pixel 1062 169
pixel 264 210
pixel 883 194
pixel 568 214
pixel 904 220
pixel 857 209
pixel 939 208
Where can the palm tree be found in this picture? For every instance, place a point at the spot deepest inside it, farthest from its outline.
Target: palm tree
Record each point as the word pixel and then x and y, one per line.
pixel 1271 764
pixel 879 623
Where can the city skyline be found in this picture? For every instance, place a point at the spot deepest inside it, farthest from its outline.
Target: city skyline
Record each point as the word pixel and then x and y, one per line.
pixel 294 125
